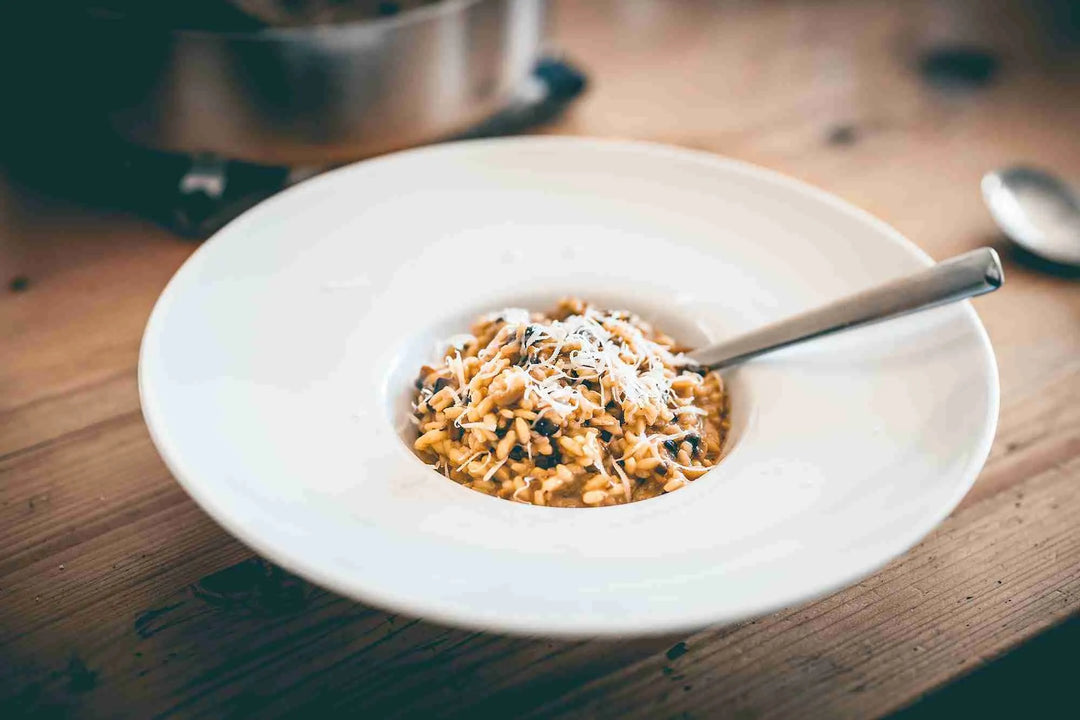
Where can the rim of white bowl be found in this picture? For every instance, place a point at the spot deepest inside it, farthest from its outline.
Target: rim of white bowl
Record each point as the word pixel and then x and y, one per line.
pixel 281 553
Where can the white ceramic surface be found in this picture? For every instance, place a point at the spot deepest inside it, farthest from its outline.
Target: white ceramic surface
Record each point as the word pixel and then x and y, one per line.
pixel 276 366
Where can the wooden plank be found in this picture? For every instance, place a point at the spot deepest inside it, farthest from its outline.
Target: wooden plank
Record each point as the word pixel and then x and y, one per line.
pixel 253 639
pixel 67 493
pixel 93 278
pixel 49 418
pixel 114 554
pixel 1033 435
pixel 83 520
pixel 59 500
pixel 990 577
pixel 126 629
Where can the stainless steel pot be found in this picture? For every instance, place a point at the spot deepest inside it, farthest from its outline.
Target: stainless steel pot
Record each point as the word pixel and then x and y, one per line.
pixel 316 95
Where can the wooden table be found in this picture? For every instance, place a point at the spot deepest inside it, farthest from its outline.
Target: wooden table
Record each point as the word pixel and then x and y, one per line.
pixel 120 598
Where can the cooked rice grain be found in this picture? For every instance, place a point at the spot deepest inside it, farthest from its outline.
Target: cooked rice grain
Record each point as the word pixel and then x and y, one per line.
pixel 576 408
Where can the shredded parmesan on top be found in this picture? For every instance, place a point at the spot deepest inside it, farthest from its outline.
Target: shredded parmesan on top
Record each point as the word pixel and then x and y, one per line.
pixel 579 398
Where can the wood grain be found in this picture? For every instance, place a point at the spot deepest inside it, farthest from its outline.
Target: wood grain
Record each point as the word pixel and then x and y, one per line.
pixel 120 598
pixel 254 639
pixel 988 577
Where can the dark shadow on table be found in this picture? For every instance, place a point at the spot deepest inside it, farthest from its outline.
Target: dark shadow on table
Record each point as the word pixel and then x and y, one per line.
pixel 1015 257
pixel 1036 680
pixel 253 640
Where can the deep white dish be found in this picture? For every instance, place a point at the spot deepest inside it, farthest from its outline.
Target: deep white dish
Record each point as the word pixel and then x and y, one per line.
pixel 277 365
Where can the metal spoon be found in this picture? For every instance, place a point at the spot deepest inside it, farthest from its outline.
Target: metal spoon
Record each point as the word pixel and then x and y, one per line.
pixel 964 276
pixel 1036 210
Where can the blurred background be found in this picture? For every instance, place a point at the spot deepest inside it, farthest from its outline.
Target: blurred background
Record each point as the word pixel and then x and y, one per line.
pixel 186 113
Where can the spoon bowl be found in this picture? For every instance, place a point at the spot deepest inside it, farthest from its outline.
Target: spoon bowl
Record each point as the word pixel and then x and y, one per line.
pixel 1037 210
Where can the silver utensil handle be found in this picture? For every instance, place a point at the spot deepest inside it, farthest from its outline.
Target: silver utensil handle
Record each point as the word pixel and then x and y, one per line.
pixel 973 273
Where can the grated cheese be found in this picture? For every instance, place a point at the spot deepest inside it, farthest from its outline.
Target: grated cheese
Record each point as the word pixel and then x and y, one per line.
pixel 579 372
pixel 494 469
pixel 622 476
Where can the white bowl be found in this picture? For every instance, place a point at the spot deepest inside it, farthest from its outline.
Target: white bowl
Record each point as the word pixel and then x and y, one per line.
pixel 277 365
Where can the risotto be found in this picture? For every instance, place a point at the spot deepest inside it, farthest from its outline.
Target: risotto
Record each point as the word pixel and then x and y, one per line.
pixel 579 407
